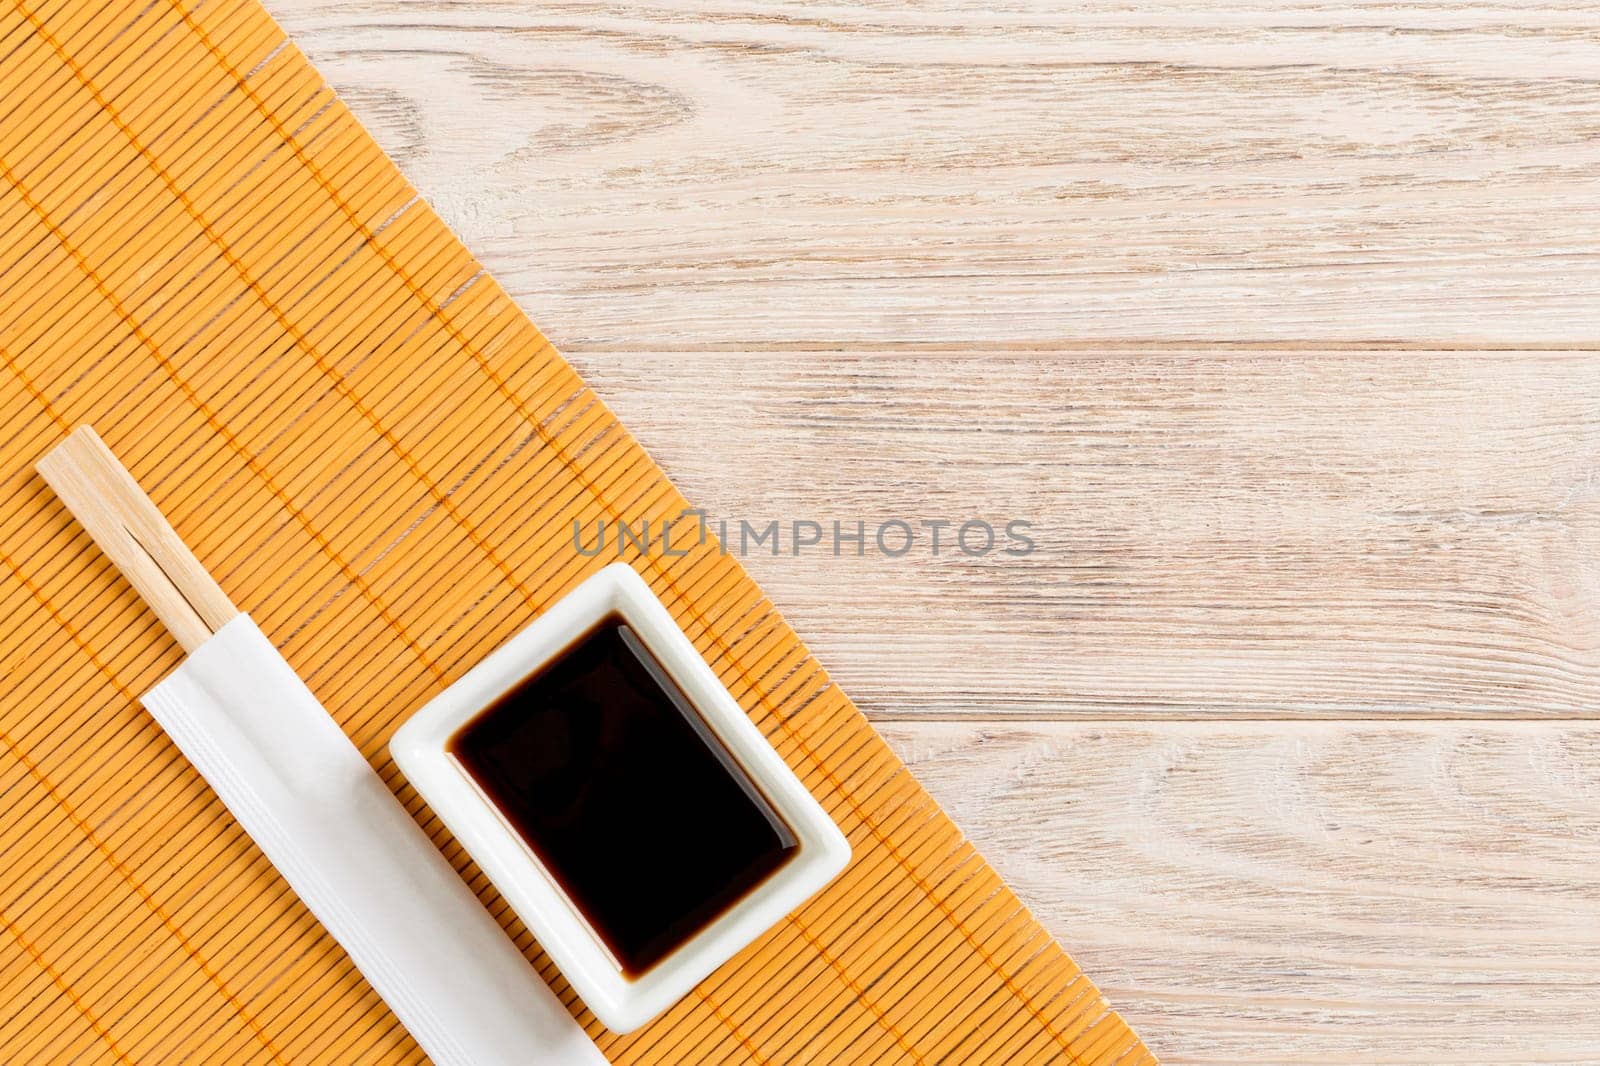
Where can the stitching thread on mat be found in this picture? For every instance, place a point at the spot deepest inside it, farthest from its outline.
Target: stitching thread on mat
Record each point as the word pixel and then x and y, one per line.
pixel 216 424
pixel 93 838
pixel 50 787
pixel 255 467
pixel 50 971
pixel 734 1029
pixel 340 384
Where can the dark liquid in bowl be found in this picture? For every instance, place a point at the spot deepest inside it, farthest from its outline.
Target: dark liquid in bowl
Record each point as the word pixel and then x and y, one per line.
pixel 629 800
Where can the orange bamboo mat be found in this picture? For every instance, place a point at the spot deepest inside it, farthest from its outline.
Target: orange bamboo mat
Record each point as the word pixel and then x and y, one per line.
pixel 381 459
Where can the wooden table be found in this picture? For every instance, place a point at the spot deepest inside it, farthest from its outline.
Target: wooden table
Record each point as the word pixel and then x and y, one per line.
pixel 1280 326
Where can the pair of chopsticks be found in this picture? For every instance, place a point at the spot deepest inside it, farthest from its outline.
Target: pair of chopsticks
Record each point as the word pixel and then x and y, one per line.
pixel 137 537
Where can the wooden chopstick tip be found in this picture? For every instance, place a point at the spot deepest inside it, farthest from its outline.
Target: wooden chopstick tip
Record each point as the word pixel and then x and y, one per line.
pixel 126 524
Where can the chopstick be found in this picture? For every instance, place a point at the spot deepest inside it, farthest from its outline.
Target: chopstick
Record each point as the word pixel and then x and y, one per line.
pixel 103 496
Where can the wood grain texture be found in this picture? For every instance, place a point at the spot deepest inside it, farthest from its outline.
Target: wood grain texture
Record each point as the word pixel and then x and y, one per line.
pixel 690 173
pixel 1312 893
pixel 1248 532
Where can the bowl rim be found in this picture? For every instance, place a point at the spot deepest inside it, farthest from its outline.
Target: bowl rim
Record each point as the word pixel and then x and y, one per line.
pixel 621 1003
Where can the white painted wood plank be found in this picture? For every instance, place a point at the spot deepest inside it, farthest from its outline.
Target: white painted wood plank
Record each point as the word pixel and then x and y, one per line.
pixel 1303 892
pixel 685 173
pixel 1244 532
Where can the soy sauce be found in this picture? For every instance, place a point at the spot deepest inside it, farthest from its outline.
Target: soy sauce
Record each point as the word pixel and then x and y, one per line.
pixel 603 766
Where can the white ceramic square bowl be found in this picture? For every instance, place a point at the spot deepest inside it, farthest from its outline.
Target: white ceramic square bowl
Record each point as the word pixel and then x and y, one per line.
pixel 622 1003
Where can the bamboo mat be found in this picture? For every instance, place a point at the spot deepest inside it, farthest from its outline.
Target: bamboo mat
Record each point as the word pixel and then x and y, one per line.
pixel 381 459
